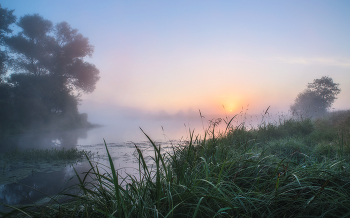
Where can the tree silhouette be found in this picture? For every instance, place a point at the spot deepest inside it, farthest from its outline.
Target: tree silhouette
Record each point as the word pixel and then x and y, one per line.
pixel 56 51
pixel 48 74
pixel 318 97
pixel 6 19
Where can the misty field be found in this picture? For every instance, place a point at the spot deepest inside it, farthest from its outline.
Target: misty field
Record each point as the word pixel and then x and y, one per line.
pixel 297 168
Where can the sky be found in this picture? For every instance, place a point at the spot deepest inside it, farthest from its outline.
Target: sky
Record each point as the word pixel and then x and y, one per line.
pixel 164 58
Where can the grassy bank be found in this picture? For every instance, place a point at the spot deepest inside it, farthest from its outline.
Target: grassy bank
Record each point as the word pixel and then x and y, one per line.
pixel 298 168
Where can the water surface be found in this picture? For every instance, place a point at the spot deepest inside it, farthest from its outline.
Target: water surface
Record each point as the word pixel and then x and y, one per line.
pixel 121 138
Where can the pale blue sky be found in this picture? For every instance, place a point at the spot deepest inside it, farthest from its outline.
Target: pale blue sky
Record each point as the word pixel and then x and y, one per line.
pixel 181 55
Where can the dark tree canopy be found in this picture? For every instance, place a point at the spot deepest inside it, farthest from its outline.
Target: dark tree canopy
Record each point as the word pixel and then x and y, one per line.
pixel 34 27
pixel 318 97
pixel 58 51
pixel 48 73
pixel 6 19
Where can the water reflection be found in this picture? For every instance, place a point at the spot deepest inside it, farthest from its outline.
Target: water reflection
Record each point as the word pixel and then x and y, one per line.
pixel 64 139
pixel 50 182
pixel 31 189
pixel 120 138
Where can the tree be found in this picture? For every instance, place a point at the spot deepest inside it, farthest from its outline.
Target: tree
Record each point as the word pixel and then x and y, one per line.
pixel 6 19
pixel 57 51
pixel 50 71
pixel 318 97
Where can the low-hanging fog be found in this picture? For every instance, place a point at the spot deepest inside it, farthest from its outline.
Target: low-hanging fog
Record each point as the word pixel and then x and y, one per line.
pixel 76 73
pixel 161 62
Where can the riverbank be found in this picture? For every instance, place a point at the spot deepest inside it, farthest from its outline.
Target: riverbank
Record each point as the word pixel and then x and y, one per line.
pixel 296 168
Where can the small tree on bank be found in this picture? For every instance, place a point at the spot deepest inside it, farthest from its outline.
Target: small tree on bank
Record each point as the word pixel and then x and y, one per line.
pixel 317 98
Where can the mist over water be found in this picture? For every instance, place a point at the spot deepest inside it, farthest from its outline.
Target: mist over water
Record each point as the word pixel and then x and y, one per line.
pixel 128 129
pixel 98 74
pixel 121 137
pixel 121 133
pixel 165 127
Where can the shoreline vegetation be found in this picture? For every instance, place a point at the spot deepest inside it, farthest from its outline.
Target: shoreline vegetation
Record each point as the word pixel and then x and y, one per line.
pixel 18 164
pixel 297 168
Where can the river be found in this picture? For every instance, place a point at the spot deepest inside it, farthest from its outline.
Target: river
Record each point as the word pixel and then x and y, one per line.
pixel 120 137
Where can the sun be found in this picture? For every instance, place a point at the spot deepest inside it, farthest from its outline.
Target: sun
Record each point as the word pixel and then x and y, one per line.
pixel 228 104
pixel 230 107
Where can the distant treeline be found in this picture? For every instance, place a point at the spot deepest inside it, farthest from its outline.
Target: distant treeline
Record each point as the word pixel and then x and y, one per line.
pixel 42 74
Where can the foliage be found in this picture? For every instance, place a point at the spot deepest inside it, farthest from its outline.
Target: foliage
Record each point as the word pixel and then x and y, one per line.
pixel 6 19
pixel 48 74
pixel 45 98
pixel 318 97
pixel 56 51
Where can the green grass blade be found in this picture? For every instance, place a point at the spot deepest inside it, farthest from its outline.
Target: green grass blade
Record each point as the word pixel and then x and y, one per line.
pixel 197 207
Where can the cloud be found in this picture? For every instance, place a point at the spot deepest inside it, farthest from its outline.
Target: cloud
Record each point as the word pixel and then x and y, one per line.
pixel 340 62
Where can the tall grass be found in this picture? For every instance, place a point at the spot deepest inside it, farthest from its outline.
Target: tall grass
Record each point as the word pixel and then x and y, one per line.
pixel 298 168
